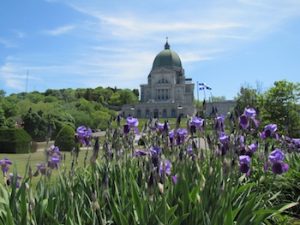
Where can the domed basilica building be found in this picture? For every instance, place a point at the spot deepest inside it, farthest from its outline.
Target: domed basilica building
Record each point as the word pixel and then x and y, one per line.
pixel 168 92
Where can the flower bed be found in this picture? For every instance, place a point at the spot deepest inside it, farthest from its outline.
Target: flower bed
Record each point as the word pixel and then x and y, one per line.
pixel 249 175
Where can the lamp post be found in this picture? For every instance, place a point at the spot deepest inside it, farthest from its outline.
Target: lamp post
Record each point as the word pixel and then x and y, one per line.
pixel 179 108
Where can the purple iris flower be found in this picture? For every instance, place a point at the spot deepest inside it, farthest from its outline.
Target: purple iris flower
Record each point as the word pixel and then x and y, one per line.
pixel 53 151
pixel 175 179
pixel 42 168
pixel 5 163
pixel 13 179
pixel 276 158
pixel 197 122
pixel 219 123
pixel 244 161
pixel 181 134
pixel 189 150
pixel 53 162
pixel 139 152
pixel 84 134
pixel 276 155
pixel 280 167
pixel 223 138
pixel 248 115
pixel 244 122
pixel 250 112
pixel 83 131
pixel 155 150
pixel 251 149
pixel 165 167
pixel 126 129
pixel 296 142
pixel 241 139
pixel 160 126
pixel 171 136
pixel 132 122
pixel 269 131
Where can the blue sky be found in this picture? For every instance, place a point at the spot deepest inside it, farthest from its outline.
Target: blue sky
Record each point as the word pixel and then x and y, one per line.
pixel 90 43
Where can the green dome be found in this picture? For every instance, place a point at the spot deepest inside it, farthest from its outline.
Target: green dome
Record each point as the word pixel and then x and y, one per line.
pixel 166 58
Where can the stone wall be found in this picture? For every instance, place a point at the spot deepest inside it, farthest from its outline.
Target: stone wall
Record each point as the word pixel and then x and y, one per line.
pixel 220 107
pixel 160 110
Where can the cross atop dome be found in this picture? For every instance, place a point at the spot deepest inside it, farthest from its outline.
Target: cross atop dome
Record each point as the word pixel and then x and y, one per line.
pixel 167 46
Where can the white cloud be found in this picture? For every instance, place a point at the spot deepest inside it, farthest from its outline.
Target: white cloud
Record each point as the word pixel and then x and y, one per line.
pixel 11 76
pixel 60 30
pixel 7 43
pixel 19 34
pixel 118 47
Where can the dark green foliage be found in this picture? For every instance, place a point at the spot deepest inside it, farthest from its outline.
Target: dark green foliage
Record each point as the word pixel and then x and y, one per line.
pixel 54 108
pixel 36 125
pixel 247 97
pixel 2 118
pixel 13 140
pixel 65 139
pixel 280 105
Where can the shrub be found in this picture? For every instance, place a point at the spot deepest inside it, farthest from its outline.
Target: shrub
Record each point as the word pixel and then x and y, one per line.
pixel 65 138
pixel 13 140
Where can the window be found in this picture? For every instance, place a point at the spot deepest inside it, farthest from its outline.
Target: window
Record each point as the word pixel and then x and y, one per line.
pixel 162 94
pixel 163 81
pixel 139 113
pixel 187 89
pixel 173 113
pixel 147 114
pixel 164 114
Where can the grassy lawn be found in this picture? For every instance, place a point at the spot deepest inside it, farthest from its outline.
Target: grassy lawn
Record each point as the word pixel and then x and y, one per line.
pixel 20 161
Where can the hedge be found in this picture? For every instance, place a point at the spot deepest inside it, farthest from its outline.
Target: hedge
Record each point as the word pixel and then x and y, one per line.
pixel 15 140
pixel 65 138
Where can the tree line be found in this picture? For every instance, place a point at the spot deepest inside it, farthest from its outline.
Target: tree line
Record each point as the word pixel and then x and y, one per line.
pixel 43 114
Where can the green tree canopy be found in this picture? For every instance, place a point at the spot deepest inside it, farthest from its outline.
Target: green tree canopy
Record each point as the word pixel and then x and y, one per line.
pixel 247 97
pixel 280 105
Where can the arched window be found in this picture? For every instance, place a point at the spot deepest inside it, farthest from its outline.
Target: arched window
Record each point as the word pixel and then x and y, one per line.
pixel 147 114
pixel 173 113
pixel 163 81
pixel 155 113
pixel 139 113
pixel 164 114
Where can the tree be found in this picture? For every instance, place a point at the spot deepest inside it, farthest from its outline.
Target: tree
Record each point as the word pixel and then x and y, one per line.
pixel 136 92
pixel 127 96
pixel 2 117
pixel 2 93
pixel 247 97
pixel 65 139
pixel 280 106
pixel 36 125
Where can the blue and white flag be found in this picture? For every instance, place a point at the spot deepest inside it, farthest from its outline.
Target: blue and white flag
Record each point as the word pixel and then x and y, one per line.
pixel 203 86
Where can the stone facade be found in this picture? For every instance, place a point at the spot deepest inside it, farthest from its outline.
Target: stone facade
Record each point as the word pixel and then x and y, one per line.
pixel 168 92
pixel 221 108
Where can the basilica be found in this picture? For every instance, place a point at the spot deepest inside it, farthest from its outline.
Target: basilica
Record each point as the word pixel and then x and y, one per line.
pixel 168 93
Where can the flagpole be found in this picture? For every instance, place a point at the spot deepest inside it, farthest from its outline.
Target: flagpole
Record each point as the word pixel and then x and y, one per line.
pixel 198 93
